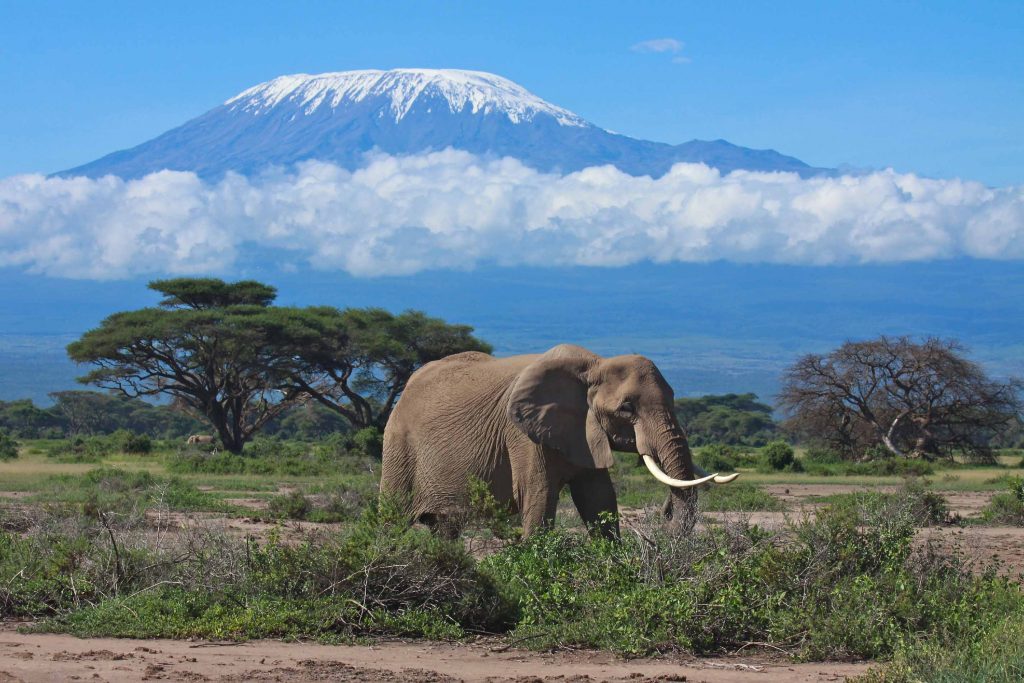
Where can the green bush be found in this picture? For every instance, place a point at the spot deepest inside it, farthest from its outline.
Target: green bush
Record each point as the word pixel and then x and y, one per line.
pixel 379 577
pixel 925 506
pixel 996 656
pixel 821 456
pixel 1007 507
pixel 129 442
pixel 108 489
pixel 369 442
pixel 738 497
pixel 8 446
pixel 269 456
pixel 841 586
pixel 292 505
pixel 885 467
pixel 81 449
pixel 343 502
pixel 778 455
pixel 717 458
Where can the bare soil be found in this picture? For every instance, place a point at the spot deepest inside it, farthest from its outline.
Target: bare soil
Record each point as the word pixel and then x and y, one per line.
pixel 45 657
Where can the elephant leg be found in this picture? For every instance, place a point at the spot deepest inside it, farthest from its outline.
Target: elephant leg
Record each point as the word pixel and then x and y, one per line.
pixel 594 496
pixel 538 512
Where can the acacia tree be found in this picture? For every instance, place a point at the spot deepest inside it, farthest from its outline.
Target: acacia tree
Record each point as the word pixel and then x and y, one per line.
pixel 357 361
pixel 213 347
pixel 917 399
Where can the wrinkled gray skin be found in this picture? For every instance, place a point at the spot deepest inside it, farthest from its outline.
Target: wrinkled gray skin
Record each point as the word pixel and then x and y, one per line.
pixel 529 425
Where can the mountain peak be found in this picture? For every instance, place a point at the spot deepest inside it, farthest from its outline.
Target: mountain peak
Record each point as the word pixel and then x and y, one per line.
pixel 340 117
pixel 399 90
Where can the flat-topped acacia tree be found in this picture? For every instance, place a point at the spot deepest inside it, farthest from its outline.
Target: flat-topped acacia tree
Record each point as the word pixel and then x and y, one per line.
pixel 357 361
pixel 224 353
pixel 210 345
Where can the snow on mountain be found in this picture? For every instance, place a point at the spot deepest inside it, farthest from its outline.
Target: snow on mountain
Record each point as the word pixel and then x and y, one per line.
pixel 483 93
pixel 339 117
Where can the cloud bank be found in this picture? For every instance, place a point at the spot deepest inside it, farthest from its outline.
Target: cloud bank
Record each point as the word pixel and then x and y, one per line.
pixel 451 209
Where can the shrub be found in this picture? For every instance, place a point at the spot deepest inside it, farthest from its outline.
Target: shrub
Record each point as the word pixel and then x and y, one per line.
pixel 339 503
pixel 839 586
pixel 81 449
pixel 292 505
pixel 8 446
pixel 108 489
pixel 369 442
pixel 821 456
pixel 738 497
pixel 485 512
pixel 914 498
pixel 1007 507
pixel 778 455
pixel 379 577
pixel 717 458
pixel 129 442
pixel 997 656
pixel 334 455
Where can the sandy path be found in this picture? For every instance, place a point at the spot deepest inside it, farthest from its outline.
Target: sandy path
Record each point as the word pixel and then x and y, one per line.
pixel 46 657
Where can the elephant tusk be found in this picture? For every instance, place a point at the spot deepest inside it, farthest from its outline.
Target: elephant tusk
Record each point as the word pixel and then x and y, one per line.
pixel 719 478
pixel 677 483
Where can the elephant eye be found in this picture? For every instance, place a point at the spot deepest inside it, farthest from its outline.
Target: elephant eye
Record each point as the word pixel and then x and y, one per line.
pixel 627 408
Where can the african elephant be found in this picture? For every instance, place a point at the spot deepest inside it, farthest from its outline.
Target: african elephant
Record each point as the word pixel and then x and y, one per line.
pixel 527 426
pixel 199 438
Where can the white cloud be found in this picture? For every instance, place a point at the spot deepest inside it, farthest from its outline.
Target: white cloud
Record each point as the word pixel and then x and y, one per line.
pixel 659 45
pixel 450 209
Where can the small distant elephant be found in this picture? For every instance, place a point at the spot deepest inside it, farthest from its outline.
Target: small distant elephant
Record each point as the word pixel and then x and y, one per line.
pixel 199 438
pixel 527 426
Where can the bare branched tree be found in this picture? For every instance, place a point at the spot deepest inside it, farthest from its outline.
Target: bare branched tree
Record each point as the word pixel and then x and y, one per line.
pixel 916 399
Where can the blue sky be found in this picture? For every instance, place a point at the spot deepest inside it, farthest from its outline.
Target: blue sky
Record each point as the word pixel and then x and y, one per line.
pixel 936 87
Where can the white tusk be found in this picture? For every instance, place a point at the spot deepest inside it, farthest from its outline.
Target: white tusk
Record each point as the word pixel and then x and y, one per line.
pixel 677 483
pixel 719 478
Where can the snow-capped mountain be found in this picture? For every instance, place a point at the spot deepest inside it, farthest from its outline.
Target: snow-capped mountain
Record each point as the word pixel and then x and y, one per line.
pixel 338 117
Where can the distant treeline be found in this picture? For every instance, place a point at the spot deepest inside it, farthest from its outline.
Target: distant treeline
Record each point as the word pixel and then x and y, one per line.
pixel 83 413
pixel 731 419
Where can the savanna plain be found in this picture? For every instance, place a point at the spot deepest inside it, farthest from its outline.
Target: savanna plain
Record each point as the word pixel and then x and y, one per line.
pixel 126 559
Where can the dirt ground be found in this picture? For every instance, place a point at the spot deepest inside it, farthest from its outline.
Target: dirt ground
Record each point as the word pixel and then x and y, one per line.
pixel 43 657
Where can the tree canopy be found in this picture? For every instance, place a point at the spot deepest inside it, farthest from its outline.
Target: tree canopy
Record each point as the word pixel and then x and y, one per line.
pixel 357 361
pixel 223 352
pixel 211 346
pixel 733 419
pixel 912 398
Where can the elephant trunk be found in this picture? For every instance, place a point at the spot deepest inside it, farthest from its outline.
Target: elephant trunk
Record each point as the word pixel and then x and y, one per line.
pixel 666 453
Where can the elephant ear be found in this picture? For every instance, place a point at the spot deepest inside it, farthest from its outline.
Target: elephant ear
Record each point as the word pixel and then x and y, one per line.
pixel 549 404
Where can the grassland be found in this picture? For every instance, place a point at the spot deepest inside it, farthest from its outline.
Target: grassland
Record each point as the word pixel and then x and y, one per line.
pixel 830 570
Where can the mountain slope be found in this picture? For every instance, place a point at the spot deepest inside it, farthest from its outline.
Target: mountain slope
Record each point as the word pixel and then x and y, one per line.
pixel 338 117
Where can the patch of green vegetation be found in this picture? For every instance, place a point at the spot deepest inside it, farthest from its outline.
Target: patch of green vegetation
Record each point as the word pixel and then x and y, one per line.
pixel 997 656
pixel 8 446
pixel 378 577
pixel 926 506
pixel 734 419
pixel 1006 507
pixel 738 496
pixel 108 489
pixel 881 467
pixel 836 588
pixel 842 584
pixel 272 456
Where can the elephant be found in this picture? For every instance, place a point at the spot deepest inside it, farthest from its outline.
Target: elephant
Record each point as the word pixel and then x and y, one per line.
pixel 527 426
pixel 199 438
